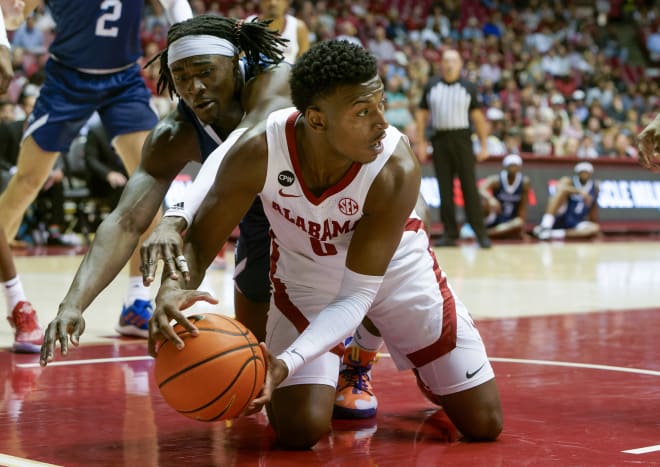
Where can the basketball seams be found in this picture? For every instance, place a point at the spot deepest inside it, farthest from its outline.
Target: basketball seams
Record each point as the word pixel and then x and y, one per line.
pixel 203 383
pixel 231 384
pixel 203 362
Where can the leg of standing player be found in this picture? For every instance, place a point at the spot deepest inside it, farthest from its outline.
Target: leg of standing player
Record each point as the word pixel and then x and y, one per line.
pixel 32 170
pixel 28 335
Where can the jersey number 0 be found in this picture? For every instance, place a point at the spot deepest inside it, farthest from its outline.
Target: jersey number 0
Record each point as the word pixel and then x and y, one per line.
pixel 103 29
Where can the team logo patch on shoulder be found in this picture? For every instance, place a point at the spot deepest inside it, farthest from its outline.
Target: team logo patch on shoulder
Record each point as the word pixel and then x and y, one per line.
pixel 286 178
pixel 348 206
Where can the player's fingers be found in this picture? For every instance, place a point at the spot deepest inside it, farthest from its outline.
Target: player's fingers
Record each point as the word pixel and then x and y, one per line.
pixel 195 296
pixel 78 329
pixel 170 264
pixel 158 332
pixel 48 346
pixel 188 325
pixel 182 265
pixel 168 332
pixel 148 266
pixel 63 337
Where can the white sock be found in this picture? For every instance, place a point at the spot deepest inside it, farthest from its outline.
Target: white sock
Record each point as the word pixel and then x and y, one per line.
pixel 558 233
pixel 14 293
pixel 366 340
pixel 547 221
pixel 136 290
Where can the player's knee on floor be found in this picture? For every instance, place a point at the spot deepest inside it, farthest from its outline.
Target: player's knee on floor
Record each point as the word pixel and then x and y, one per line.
pixel 301 432
pixel 476 412
pixel 301 414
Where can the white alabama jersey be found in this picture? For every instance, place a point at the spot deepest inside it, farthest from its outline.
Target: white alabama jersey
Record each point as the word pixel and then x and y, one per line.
pixel 309 231
pixel 290 32
pixel 415 309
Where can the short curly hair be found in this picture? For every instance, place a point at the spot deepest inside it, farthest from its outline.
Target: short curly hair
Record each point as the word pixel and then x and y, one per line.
pixel 326 66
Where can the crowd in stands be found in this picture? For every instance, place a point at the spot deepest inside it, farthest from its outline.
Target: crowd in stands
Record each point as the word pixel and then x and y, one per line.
pixel 555 77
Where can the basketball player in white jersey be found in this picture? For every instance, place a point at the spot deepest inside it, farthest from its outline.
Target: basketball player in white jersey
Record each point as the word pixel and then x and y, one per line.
pixel 288 26
pixel 339 188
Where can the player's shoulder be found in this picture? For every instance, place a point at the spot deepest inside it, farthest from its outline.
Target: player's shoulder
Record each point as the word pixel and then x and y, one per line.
pixel 402 164
pixel 172 133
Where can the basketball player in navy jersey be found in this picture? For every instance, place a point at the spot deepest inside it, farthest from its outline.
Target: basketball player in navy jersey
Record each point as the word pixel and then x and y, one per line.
pixel 505 199
pixel 572 211
pixel 92 67
pixel 339 189
pixel 220 97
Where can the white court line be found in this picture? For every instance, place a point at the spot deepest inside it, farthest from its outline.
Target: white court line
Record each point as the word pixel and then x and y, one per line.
pixel 85 362
pixel 591 366
pixel 11 461
pixel 645 450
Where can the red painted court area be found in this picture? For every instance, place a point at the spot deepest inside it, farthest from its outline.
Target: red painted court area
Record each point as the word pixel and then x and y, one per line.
pixel 576 390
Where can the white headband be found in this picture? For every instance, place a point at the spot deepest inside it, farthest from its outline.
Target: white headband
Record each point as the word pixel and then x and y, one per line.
pixel 203 44
pixel 584 167
pixel 512 159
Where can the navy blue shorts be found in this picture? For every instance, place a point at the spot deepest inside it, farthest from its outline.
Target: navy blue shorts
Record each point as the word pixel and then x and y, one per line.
pixel 69 97
pixel 252 255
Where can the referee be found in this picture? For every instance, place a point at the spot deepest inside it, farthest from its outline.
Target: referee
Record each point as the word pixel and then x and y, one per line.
pixel 452 102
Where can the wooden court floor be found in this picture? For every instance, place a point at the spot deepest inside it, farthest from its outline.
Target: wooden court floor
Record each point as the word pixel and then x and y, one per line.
pixel 572 330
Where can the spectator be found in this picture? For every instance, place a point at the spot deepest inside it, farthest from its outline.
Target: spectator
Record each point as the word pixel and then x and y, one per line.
pixel 587 148
pixel 452 103
pixel 106 173
pixel 397 106
pixel 29 38
pixel 381 46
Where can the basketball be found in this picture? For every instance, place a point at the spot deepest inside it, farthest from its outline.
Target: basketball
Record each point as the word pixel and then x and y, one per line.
pixel 216 375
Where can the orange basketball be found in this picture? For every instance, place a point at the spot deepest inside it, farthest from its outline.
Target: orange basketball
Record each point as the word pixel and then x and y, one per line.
pixel 216 375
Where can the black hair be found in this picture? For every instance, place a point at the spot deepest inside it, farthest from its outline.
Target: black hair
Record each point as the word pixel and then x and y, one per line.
pixel 326 66
pixel 261 46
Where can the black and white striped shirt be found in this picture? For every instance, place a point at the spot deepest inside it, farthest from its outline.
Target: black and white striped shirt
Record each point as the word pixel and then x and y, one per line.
pixel 450 103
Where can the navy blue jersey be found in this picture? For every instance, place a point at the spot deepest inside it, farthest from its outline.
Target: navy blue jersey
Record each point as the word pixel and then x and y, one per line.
pixel 576 209
pixel 96 34
pixel 207 139
pixel 253 244
pixel 509 196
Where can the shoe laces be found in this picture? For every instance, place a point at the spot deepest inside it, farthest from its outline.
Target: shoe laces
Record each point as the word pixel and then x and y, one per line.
pixel 358 377
pixel 25 322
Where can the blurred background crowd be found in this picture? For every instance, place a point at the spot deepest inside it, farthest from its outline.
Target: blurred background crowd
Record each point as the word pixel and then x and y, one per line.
pixel 557 78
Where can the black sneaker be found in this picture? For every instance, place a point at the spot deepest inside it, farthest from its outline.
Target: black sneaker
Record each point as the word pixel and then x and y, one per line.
pixel 445 241
pixel 484 242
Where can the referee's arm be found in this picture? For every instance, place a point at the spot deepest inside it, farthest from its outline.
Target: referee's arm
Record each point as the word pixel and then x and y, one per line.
pixel 421 118
pixel 481 127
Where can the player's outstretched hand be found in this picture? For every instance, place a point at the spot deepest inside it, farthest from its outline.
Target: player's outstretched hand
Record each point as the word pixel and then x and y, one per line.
pixel 276 372
pixel 170 302
pixel 68 323
pixel 165 243
pixel 649 145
